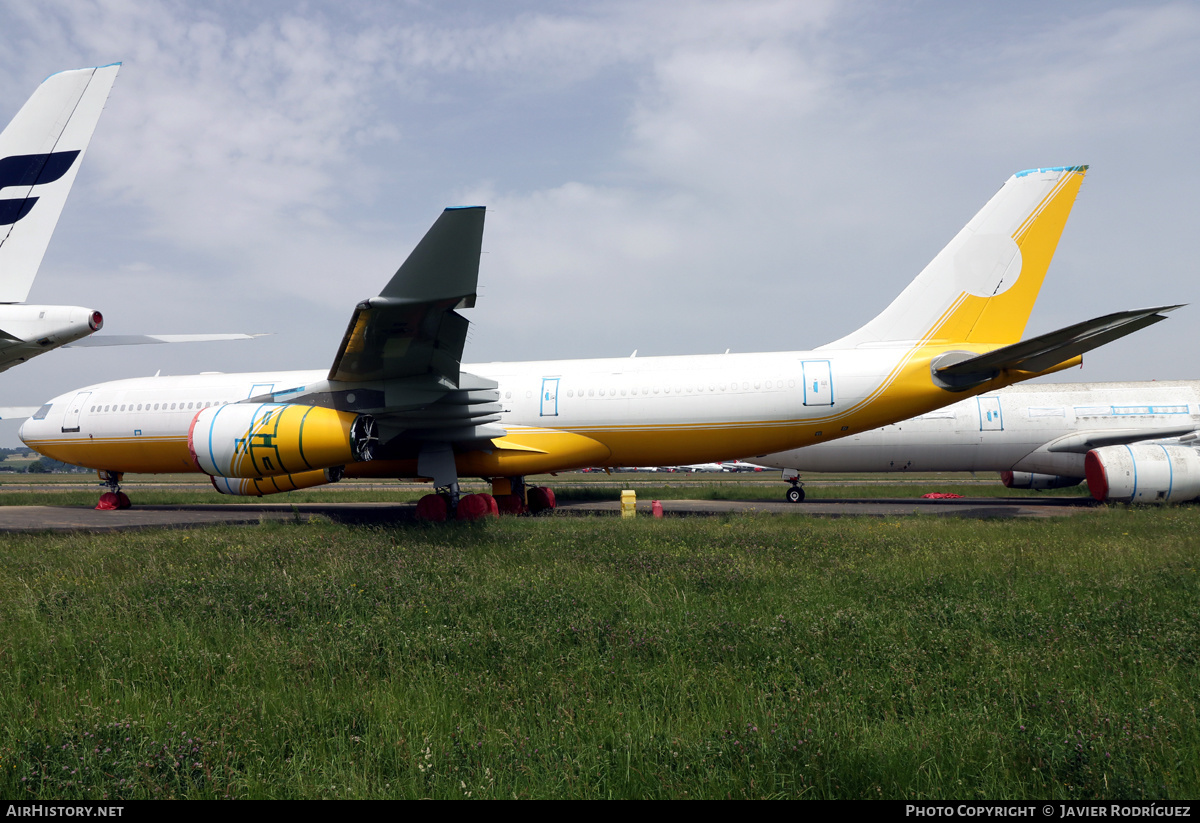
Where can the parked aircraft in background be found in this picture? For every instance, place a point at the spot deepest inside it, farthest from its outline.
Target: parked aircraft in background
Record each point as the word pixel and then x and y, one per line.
pixel 41 150
pixel 40 153
pixel 397 403
pixel 725 466
pixel 1045 436
pixel 702 467
pixel 740 466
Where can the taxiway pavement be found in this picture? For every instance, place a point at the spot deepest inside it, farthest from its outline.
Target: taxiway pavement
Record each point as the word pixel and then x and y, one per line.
pixel 79 518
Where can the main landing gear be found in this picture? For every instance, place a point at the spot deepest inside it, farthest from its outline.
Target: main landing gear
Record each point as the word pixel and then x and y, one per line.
pixel 446 503
pixel 114 498
pixel 515 496
pixel 510 495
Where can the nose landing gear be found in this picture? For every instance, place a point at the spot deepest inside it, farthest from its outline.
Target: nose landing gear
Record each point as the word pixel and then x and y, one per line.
pixel 796 493
pixel 114 498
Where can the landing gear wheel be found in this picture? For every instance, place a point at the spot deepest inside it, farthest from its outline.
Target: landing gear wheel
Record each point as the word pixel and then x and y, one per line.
pixel 541 499
pixel 433 508
pixel 510 504
pixel 795 494
pixel 114 498
pixel 111 501
pixel 477 507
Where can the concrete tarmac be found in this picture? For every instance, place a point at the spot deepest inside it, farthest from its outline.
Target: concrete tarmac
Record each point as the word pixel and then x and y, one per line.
pixel 79 518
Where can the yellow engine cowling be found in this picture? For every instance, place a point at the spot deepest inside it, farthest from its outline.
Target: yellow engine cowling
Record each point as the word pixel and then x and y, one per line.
pixel 252 440
pixel 259 486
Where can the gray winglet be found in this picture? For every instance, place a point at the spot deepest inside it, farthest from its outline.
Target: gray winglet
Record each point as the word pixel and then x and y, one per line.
pixel 445 264
pixel 411 328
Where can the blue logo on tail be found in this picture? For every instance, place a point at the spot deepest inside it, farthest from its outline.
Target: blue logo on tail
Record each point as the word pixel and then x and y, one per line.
pixel 30 170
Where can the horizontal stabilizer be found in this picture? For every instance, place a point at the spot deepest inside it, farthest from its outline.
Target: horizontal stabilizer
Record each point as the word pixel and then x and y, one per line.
pixel 1044 351
pixel 1084 442
pixel 141 339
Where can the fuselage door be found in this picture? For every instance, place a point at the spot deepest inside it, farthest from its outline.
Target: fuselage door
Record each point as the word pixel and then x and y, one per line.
pixel 549 405
pixel 818 383
pixel 74 411
pixel 990 419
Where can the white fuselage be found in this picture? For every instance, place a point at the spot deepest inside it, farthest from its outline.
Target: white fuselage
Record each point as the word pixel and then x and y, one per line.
pixel 1017 429
pixel 644 411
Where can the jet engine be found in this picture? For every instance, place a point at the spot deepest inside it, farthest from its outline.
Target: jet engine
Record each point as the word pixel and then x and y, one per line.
pixel 259 486
pixel 1143 473
pixel 1033 480
pixel 253 440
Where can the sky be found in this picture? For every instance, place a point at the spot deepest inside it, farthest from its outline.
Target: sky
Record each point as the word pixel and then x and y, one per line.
pixel 674 178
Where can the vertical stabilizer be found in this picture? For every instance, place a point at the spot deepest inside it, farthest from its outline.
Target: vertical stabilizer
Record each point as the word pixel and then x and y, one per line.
pixel 40 153
pixel 982 286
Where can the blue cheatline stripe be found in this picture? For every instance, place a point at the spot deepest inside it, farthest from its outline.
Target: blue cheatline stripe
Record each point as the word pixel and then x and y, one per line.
pixel 212 456
pixel 1028 172
pixel 1133 496
pixel 266 418
pixel 1170 471
pixel 85 68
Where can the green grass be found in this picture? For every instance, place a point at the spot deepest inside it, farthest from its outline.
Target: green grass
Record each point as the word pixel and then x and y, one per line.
pixel 595 657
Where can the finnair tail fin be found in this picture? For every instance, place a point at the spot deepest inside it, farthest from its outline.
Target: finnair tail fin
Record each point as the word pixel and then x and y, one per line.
pixel 40 152
pixel 982 286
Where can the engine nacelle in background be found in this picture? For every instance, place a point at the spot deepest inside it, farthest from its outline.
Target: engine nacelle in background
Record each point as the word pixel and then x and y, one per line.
pixel 259 486
pixel 1143 474
pixel 272 439
pixel 1032 480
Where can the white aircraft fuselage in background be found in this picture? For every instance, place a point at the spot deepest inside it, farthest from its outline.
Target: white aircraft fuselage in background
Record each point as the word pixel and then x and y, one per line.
pixel 1037 436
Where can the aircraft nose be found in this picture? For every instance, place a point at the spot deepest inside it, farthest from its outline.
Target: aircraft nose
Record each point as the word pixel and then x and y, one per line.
pixel 35 424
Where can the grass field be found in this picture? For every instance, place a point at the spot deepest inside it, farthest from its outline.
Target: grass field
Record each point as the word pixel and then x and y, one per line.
pixel 594 657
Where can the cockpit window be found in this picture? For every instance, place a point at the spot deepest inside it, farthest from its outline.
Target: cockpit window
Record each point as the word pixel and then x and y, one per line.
pixel 41 413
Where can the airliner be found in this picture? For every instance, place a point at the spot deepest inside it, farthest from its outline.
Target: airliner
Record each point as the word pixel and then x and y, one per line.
pixel 41 150
pixel 398 402
pixel 40 153
pixel 1132 441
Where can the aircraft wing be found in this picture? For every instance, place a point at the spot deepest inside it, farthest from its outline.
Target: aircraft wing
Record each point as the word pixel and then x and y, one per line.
pixel 411 338
pixel 411 328
pixel 17 412
pixel 1084 442
pixel 140 339
pixel 1047 350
